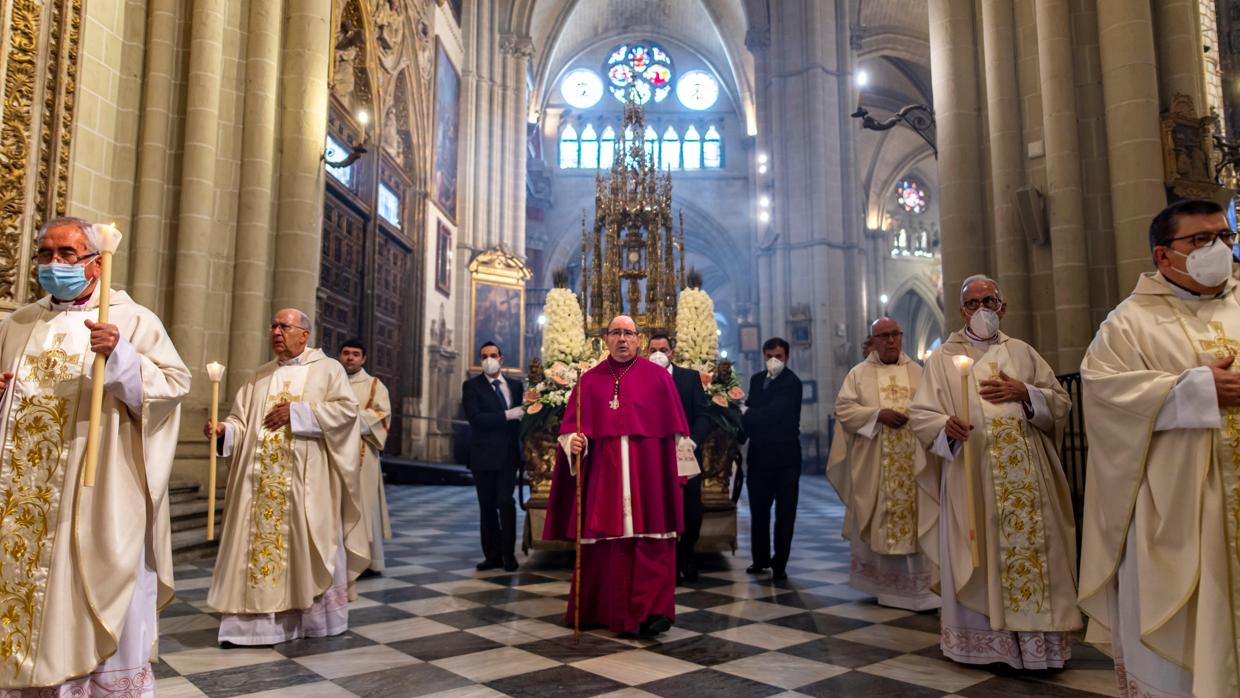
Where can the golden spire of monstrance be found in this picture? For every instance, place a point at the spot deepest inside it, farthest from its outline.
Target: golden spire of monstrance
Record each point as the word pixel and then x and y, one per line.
pixel 629 256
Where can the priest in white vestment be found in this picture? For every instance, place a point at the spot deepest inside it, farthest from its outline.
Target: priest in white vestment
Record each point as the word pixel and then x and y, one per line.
pixel 374 409
pixel 84 569
pixel 1018 605
pixel 294 535
pixel 874 474
pixel 1160 574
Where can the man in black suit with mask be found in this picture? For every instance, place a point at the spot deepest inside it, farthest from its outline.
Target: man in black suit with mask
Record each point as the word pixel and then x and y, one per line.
pixel 492 405
pixel 693 398
pixel 772 424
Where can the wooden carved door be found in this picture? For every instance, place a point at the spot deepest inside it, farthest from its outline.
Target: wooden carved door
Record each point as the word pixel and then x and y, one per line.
pixel 340 275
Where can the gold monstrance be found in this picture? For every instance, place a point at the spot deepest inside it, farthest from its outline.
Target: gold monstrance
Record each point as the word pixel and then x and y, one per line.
pixel 633 240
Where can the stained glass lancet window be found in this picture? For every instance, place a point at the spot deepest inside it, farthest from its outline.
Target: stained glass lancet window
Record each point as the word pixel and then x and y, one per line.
pixel 670 150
pixel 652 144
pixel 911 195
pixel 589 147
pixel 607 148
pixel 568 148
pixel 692 149
pixel 645 70
pixel 712 150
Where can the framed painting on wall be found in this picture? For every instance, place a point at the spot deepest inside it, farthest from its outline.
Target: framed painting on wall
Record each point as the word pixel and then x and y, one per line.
pixel 443 260
pixel 497 306
pixel 447 132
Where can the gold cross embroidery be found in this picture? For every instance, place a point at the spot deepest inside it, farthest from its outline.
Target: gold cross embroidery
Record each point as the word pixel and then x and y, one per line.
pixel 51 366
pixel 283 396
pixel 1221 346
pixel 895 393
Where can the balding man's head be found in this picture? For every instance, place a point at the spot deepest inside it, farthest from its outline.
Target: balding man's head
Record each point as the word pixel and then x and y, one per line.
pixel 979 291
pixel 887 339
pixel 622 338
pixel 290 331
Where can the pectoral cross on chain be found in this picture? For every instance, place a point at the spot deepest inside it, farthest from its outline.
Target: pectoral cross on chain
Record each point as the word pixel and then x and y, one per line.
pixel 1221 346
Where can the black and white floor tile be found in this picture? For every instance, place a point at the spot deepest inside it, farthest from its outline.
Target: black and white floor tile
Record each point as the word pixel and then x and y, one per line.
pixel 433 626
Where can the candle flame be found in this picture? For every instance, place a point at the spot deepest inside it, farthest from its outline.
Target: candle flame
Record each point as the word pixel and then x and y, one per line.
pixel 963 363
pixel 215 371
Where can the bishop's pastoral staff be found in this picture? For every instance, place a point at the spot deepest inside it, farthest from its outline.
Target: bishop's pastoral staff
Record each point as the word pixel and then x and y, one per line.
pixel 874 471
pixel 632 427
pixel 84 569
pixel 1015 600
pixel 1160 573
pixel 294 535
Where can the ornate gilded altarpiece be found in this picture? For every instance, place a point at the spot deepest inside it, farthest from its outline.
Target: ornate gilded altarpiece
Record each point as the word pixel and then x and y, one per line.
pixel 373 243
pixel 40 66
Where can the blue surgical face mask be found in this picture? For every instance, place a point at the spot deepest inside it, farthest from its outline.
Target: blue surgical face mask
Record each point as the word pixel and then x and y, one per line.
pixel 63 281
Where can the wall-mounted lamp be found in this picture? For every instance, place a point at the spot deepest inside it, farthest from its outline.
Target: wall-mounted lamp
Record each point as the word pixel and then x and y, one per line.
pixel 357 150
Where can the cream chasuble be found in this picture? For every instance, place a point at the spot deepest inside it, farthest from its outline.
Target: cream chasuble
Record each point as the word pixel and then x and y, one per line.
pixel 72 554
pixel 288 496
pixel 885 507
pixel 1163 502
pixel 373 413
pixel 1026 581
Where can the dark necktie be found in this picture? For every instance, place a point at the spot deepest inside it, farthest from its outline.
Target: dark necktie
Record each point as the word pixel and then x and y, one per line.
pixel 499 393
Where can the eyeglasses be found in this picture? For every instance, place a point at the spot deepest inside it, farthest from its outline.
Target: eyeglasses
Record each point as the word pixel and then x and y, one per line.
pixel 621 333
pixel 888 335
pixel 66 255
pixel 285 328
pixel 990 303
pixel 1202 240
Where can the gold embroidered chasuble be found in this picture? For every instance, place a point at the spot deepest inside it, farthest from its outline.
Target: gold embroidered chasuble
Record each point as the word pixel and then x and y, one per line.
pixel 1026 581
pixel 374 410
pixel 70 554
pixel 875 477
pixel 290 498
pixel 1177 491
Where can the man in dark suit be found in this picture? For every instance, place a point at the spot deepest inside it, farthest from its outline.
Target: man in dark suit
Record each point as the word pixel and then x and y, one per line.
pixel 693 398
pixel 492 405
pixel 772 424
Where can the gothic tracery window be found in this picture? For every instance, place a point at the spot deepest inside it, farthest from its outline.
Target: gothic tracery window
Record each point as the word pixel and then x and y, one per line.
pixel 569 148
pixel 589 148
pixel 911 195
pixel 644 70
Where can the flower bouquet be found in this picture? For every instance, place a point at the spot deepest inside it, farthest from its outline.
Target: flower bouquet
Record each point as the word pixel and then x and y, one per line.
pixel 564 358
pixel 723 390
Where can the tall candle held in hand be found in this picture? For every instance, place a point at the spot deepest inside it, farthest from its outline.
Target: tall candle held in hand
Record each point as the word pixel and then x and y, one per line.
pixel 215 371
pixel 964 364
pixel 109 239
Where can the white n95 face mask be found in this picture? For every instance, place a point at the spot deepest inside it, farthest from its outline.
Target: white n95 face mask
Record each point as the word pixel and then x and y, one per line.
pixel 1209 266
pixel 774 366
pixel 490 365
pixel 984 324
pixel 660 359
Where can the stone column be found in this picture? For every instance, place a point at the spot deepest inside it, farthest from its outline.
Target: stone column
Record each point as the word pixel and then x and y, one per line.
pixel 1180 67
pixel 1006 167
pixel 953 68
pixel 517 52
pixel 1066 211
pixel 247 347
pixel 196 223
pixel 815 257
pixel 150 238
pixel 1130 90
pixel 303 132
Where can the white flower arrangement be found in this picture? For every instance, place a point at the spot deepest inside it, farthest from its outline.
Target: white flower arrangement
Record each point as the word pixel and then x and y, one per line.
pixel 564 337
pixel 697 335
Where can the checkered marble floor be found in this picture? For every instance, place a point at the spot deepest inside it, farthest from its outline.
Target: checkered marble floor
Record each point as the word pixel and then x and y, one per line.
pixel 432 625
